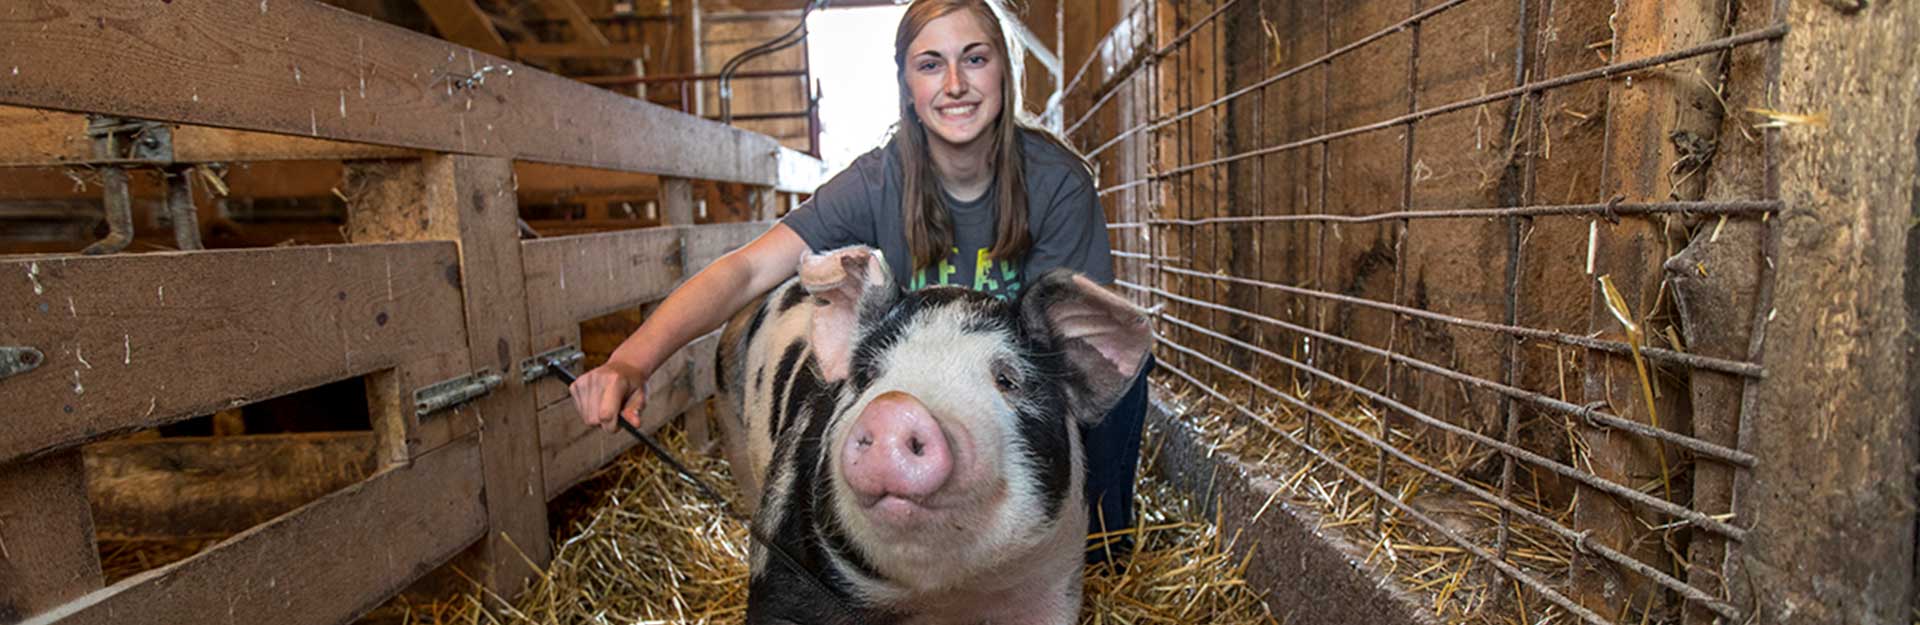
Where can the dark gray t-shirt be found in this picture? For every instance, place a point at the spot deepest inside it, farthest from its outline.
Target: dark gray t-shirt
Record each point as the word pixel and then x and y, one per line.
pixel 862 206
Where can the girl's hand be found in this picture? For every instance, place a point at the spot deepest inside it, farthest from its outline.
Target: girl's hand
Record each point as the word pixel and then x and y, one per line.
pixel 608 391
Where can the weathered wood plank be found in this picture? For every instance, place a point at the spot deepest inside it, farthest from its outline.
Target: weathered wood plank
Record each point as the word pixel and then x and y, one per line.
pixel 135 341
pixel 47 552
pixel 798 172
pixel 299 67
pixel 584 29
pixel 571 451
pixel 572 279
pixel 1832 501
pixel 576 50
pixel 211 487
pixel 322 564
pixel 701 245
pixel 1642 116
pixel 676 202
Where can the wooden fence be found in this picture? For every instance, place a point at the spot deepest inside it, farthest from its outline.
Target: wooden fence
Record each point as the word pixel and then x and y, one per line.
pixel 435 284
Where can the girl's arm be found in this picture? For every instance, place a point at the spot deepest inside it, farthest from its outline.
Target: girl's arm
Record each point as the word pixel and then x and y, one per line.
pixel 692 310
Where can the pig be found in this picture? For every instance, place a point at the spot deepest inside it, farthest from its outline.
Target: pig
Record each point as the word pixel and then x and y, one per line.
pixel 917 455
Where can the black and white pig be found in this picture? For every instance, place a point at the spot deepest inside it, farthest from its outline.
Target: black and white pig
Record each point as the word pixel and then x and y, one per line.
pixel 917 453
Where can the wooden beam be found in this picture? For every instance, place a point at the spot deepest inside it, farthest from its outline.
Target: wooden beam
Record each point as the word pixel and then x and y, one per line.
pixel 584 29
pixel 136 341
pixel 462 22
pixel 577 50
pixel 213 487
pixel 571 451
pixel 798 172
pixel 320 564
pixel 47 528
pixel 307 69
pixel 572 279
pixel 676 202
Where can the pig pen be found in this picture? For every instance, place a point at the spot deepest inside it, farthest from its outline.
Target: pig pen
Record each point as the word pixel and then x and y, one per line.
pixel 1490 311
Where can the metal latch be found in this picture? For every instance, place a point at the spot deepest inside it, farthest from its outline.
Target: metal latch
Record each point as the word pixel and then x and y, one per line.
pixel 15 360
pixel 449 393
pixel 536 367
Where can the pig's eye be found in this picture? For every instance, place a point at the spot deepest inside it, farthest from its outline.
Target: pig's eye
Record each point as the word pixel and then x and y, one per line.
pixel 1005 383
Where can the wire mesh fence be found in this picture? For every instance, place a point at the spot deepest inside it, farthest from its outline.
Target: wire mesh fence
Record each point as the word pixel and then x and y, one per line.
pixel 1440 252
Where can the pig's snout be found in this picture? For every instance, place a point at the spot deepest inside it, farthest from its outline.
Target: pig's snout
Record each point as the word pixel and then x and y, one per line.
pixel 896 456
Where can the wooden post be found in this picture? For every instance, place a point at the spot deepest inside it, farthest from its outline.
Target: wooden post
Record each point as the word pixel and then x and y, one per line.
pixel 1645 110
pixel 470 199
pixel 676 202
pixel 47 551
pixel 1834 424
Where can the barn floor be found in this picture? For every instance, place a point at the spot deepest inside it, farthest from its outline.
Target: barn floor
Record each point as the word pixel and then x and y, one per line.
pixel 636 544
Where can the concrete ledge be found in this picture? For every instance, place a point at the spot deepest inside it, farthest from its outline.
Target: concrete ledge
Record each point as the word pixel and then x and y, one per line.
pixel 1308 577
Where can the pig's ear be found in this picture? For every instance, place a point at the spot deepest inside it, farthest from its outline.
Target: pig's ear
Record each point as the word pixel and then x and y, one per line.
pixel 1105 340
pixel 845 284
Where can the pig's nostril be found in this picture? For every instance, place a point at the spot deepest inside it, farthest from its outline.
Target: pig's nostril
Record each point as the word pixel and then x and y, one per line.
pixel 916 446
pixel 866 441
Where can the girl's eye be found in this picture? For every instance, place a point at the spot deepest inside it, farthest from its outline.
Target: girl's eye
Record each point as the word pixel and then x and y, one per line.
pixel 977 59
pixel 927 66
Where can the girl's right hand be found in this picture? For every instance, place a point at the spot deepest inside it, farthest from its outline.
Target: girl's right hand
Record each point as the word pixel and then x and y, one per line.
pixel 608 391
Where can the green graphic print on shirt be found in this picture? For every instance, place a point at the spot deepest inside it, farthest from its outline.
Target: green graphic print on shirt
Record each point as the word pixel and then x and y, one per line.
pixel 977 271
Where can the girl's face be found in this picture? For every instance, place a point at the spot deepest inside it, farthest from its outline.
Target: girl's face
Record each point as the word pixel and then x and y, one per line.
pixel 953 74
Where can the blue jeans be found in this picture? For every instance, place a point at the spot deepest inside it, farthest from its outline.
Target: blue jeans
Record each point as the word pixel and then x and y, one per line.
pixel 1113 457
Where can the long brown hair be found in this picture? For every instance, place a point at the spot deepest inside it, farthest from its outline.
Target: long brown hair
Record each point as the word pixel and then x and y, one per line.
pixel 928 225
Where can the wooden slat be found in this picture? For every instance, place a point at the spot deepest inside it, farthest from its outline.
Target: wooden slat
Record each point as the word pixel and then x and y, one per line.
pixel 705 244
pixel 676 202
pixel 303 68
pixel 46 529
pixel 43 138
pixel 322 564
pixel 571 451
pixel 462 22
pixel 135 341
pixel 799 173
pixel 210 487
pixel 571 279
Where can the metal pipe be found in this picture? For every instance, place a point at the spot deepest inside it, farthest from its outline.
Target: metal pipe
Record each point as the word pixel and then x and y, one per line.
pixel 119 207
pixel 180 209
pixel 1739 208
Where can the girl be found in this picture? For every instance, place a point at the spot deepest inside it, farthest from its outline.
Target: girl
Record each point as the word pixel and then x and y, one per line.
pixel 964 193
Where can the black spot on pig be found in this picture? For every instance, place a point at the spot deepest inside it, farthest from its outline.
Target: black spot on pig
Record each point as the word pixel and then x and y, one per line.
pixel 792 298
pixel 788 359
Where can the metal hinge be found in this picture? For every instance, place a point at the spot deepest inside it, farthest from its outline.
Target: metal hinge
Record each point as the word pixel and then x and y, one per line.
pixel 449 393
pixel 15 360
pixel 536 367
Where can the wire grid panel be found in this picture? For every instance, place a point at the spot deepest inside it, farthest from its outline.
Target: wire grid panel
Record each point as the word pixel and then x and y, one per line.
pixel 1446 252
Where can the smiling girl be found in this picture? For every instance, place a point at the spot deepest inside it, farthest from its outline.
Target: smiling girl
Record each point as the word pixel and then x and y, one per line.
pixel 964 193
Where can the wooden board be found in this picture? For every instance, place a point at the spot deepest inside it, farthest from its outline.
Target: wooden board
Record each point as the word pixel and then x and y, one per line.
pixel 135 341
pixel 571 279
pixel 46 138
pixel 47 552
pixel 704 244
pixel 321 564
pixel 302 68
pixel 571 451
pixel 211 487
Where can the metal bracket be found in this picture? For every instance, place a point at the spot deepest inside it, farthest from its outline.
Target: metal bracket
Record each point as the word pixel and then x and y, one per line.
pixel 449 393
pixel 15 360
pixel 127 141
pixel 536 367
